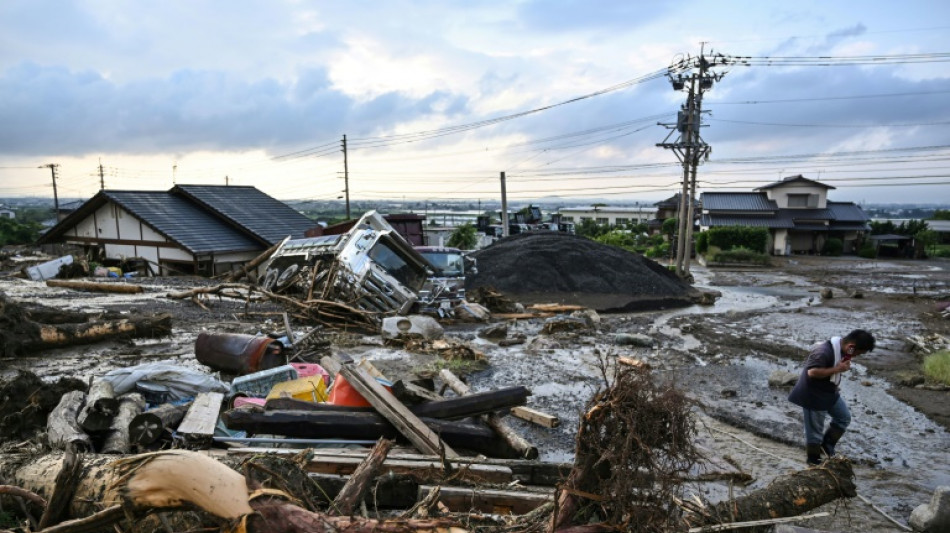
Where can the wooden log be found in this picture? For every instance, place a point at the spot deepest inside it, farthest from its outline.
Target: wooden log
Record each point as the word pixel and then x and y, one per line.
pixel 535 417
pixel 89 286
pixel 408 392
pixel 149 426
pixel 361 426
pixel 62 428
pixel 492 420
pixel 197 427
pixel 273 515
pixel 75 334
pixel 63 489
pixel 118 439
pixel 101 407
pixel 355 489
pixel 790 495
pixel 398 415
pixel 504 502
pixel 264 256
pixel 474 404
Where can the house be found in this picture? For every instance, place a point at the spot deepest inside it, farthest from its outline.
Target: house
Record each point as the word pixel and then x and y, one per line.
pixel 7 213
pixel 796 211
pixel 606 215
pixel 195 229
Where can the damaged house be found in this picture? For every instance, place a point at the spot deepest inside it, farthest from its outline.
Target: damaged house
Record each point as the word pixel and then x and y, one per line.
pixel 193 229
pixel 796 211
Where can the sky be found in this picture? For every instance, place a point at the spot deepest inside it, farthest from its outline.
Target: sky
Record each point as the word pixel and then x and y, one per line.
pixel 437 98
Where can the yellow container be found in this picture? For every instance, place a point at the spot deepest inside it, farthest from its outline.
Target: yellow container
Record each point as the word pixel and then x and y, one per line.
pixel 308 389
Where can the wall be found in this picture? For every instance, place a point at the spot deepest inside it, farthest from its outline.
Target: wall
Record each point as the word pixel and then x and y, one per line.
pixel 780 194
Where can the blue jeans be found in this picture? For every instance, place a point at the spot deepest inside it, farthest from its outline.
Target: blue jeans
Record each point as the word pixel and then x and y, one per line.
pixel 815 421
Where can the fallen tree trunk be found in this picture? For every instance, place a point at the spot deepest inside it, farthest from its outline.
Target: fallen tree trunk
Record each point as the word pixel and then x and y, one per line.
pixel 62 428
pixel 101 407
pixel 790 495
pixel 122 288
pixel 360 481
pixel 361 426
pixel 148 427
pixel 118 441
pixel 75 334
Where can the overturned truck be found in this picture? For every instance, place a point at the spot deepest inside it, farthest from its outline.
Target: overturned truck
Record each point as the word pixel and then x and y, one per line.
pixel 371 267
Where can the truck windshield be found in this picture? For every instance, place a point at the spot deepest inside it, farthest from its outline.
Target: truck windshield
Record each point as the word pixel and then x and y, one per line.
pixel 392 262
pixel 449 263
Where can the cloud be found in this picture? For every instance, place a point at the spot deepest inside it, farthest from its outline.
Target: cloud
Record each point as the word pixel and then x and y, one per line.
pixel 574 15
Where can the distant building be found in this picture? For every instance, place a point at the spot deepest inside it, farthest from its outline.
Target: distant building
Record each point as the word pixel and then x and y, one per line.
pixel 195 229
pixel 796 211
pixel 7 213
pixel 607 215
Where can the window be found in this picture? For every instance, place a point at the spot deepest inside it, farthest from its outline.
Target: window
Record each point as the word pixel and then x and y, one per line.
pixel 585 219
pixel 603 221
pixel 798 200
pixel 621 220
pixel 567 219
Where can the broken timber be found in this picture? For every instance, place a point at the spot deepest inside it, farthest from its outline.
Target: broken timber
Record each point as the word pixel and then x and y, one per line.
pixel 505 502
pixel 149 426
pixel 74 334
pixel 535 417
pixel 63 431
pixel 407 423
pixel 246 269
pixel 525 449
pixel 89 286
pixel 101 407
pixel 198 424
pixel 361 480
pixel 118 441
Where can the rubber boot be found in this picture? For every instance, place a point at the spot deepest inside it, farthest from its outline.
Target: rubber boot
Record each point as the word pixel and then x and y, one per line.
pixel 831 438
pixel 814 454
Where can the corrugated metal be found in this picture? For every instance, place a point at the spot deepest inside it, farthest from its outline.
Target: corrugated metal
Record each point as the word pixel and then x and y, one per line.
pixel 182 221
pixel 714 220
pixel 737 201
pixel 257 213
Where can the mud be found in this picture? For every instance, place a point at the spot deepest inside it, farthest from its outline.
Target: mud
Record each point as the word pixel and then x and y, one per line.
pixel 721 355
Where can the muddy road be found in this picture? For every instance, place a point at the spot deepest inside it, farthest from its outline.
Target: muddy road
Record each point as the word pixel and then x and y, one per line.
pixel 722 355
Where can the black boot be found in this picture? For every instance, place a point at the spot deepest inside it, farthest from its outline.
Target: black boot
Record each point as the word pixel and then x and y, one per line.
pixel 831 438
pixel 814 454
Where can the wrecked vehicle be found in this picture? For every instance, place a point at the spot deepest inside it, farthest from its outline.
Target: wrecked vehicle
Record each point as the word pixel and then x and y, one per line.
pixel 371 267
pixel 445 288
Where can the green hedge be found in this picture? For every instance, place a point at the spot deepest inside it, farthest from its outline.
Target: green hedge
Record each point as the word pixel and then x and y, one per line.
pixel 832 246
pixel 868 251
pixel 731 237
pixel 741 255
pixel 702 242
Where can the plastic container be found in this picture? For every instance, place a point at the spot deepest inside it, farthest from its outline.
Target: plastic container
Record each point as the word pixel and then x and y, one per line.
pixel 343 393
pixel 260 383
pixel 309 389
pixel 247 400
pixel 305 370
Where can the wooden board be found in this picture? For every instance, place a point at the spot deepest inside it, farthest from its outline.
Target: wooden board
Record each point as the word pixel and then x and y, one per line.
pixel 201 418
pixel 535 417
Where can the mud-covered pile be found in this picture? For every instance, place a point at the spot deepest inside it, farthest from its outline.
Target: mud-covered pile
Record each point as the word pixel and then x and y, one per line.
pixel 557 267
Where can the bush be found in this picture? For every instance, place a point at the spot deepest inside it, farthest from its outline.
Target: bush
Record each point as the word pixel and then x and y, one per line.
pixel 618 238
pixel 702 242
pixel 832 247
pixel 741 255
pixel 868 251
pixel 730 237
pixel 660 250
pixel 937 366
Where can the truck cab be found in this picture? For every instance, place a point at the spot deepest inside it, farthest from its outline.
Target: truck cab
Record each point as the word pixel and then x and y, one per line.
pixel 445 288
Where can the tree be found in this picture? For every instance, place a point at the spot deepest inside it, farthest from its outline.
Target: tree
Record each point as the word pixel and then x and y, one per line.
pixel 669 228
pixel 927 240
pixel 941 214
pixel 464 237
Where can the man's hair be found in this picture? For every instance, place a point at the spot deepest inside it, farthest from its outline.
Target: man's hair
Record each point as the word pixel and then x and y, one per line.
pixel 862 340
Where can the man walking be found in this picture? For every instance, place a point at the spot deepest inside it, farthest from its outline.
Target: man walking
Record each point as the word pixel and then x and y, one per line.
pixel 817 391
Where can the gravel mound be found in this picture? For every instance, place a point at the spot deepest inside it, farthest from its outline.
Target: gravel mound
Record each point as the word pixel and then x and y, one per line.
pixel 549 267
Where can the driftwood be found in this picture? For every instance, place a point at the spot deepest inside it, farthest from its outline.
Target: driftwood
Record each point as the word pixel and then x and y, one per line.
pixel 790 495
pixel 246 269
pixel 63 489
pixel 492 420
pixel 361 480
pixel 74 334
pixel 122 288
pixel 198 425
pixel 63 431
pixel 118 441
pixel 149 426
pixel 101 407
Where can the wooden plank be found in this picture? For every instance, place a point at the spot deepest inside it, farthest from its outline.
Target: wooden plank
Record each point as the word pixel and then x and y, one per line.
pixel 464 499
pixel 330 364
pixel 398 414
pixel 535 417
pixel 201 418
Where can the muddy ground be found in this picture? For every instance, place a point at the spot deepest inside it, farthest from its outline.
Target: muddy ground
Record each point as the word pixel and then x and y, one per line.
pixel 722 355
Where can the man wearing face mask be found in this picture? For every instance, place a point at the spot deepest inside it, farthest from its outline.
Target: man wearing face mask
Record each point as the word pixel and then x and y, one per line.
pixel 817 391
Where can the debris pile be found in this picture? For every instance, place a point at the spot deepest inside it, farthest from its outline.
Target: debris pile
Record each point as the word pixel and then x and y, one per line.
pixel 552 266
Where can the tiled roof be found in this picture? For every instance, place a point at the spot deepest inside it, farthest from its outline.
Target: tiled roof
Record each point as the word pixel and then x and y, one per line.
pixel 798 180
pixel 263 216
pixel 737 201
pixel 805 214
pixel 182 221
pixel 714 220
pixel 847 211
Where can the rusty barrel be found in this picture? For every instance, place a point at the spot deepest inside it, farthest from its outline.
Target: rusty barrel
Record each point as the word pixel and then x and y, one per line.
pixel 239 354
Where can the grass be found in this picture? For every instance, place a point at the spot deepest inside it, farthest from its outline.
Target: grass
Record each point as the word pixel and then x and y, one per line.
pixel 937 366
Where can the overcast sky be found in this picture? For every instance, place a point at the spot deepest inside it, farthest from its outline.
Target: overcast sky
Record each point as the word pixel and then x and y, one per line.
pixel 436 98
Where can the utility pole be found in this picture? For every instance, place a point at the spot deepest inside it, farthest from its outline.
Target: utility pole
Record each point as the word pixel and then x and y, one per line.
pixel 690 148
pixel 102 178
pixel 174 171
pixel 504 207
pixel 346 179
pixel 53 167
pixel 227 182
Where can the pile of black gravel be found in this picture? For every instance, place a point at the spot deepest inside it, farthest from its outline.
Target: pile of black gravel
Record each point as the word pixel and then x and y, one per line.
pixel 554 267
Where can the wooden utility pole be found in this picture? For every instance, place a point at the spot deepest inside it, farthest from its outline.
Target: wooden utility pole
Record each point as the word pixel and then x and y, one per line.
pixel 346 179
pixel 504 207
pixel 102 177
pixel 53 167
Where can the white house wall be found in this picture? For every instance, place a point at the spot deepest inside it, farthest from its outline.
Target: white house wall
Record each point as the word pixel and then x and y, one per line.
pixel 780 194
